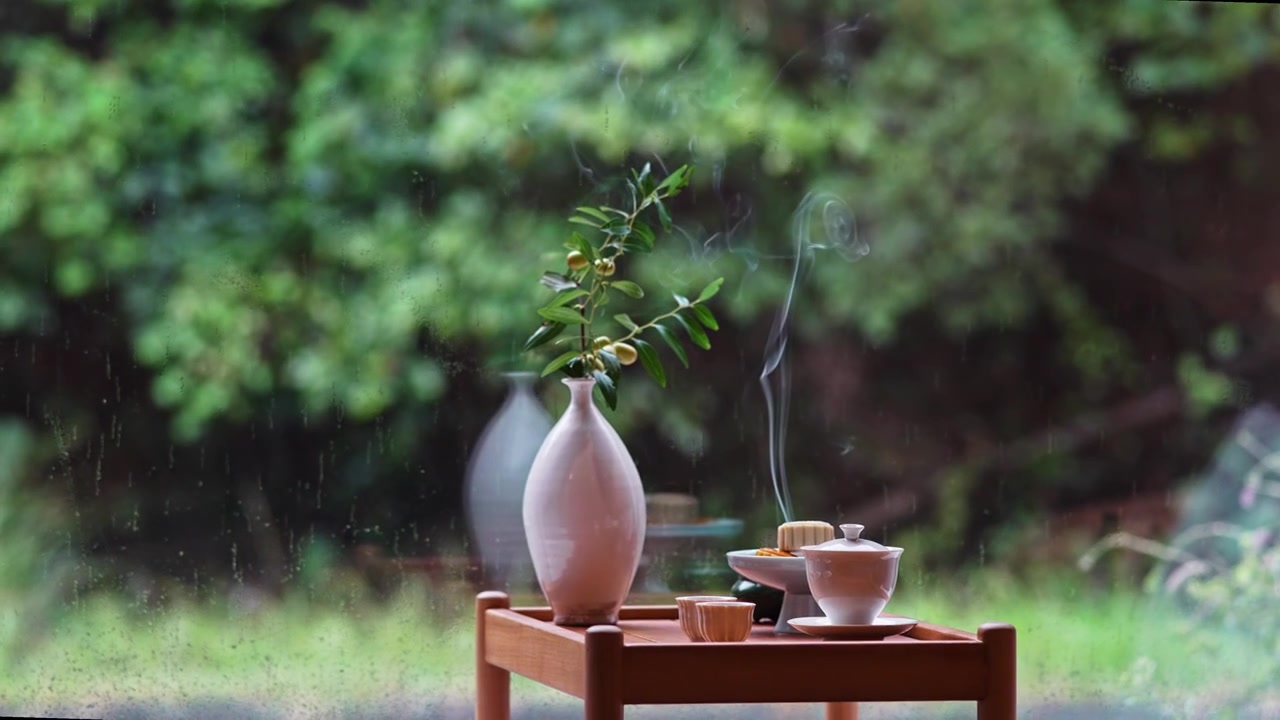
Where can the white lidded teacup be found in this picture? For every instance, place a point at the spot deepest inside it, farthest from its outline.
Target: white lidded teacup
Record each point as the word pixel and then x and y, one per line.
pixel 851 578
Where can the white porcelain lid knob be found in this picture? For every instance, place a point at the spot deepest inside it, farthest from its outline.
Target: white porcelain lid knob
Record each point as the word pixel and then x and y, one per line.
pixel 851 542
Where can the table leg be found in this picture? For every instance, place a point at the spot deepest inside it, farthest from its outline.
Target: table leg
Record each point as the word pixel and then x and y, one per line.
pixel 604 673
pixel 493 684
pixel 1001 645
pixel 842 711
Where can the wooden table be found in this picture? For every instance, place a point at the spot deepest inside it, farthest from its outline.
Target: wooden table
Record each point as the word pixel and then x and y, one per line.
pixel 647 660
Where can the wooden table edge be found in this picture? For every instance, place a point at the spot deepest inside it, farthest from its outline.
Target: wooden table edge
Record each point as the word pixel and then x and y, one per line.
pixel 627 612
pixel 562 662
pixel 834 671
pixel 923 631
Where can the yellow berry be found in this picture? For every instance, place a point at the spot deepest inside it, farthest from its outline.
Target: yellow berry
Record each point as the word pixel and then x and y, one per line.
pixel 600 342
pixel 576 260
pixel 626 354
pixel 605 267
pixel 595 360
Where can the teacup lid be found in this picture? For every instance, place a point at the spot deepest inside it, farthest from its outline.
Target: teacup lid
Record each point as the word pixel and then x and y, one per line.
pixel 851 542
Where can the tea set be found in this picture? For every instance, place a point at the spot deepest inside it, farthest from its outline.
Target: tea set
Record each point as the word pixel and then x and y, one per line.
pixel 833 589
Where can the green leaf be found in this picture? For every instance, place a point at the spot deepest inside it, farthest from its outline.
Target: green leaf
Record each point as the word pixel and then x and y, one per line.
pixel 670 181
pixel 649 359
pixel 583 221
pixel 704 316
pixel 563 315
pixel 611 363
pixel 672 342
pixel 696 333
pixel 663 215
pixel 675 181
pixel 628 288
pixel 644 180
pixel 617 227
pixel 566 297
pixel 576 368
pixel 556 281
pixel 607 388
pixel 644 233
pixel 625 321
pixel 582 245
pixel 543 334
pixel 710 290
pixel 637 246
pixel 559 362
pixel 593 213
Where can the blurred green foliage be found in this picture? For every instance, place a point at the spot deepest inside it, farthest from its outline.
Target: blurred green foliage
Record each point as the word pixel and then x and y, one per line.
pixel 287 201
pixel 288 214
pixel 275 243
pixel 28 526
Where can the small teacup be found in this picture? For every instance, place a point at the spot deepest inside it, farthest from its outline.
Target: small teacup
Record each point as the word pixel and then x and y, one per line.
pixel 725 621
pixel 688 613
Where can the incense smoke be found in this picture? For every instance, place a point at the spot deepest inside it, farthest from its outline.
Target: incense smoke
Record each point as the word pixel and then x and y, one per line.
pixel 840 233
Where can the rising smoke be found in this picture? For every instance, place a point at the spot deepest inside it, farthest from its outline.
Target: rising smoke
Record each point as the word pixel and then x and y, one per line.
pixel 839 233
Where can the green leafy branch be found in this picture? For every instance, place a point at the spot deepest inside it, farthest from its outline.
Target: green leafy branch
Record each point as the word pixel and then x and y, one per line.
pixel 584 288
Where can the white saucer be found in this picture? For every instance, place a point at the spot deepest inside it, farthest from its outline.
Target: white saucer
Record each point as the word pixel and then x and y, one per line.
pixel 883 627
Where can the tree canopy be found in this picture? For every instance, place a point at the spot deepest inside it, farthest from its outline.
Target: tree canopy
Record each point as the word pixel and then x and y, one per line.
pixel 264 214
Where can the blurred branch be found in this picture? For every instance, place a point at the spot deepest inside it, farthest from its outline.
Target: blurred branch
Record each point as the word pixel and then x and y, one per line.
pixel 893 506
pixel 1129 541
pixel 1160 405
pixel 1134 414
pixel 1192 279
pixel 266 540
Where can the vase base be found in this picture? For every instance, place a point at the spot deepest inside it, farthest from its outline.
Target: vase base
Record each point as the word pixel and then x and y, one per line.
pixel 587 619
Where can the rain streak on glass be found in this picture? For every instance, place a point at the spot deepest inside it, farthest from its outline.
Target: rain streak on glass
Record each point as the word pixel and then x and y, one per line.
pixel 999 285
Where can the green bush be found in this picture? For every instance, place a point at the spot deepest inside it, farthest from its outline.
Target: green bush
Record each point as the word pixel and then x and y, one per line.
pixel 279 217
pixel 288 200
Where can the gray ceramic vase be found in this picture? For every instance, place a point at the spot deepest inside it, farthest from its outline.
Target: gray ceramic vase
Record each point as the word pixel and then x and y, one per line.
pixel 495 482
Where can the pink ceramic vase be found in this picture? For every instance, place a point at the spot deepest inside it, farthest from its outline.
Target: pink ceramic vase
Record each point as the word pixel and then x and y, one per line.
pixel 584 514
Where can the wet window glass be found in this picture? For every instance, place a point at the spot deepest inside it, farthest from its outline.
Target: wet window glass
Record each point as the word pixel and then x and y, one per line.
pixel 319 319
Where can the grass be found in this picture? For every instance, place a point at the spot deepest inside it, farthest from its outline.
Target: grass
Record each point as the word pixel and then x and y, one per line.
pixel 105 652
pixel 1080 644
pixel 1074 645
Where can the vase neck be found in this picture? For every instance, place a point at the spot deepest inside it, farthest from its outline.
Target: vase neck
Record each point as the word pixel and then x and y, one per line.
pixel 520 380
pixel 580 392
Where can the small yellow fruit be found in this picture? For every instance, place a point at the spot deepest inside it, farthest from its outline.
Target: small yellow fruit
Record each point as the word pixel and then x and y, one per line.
pixel 626 354
pixel 576 260
pixel 595 360
pixel 600 342
pixel 605 267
